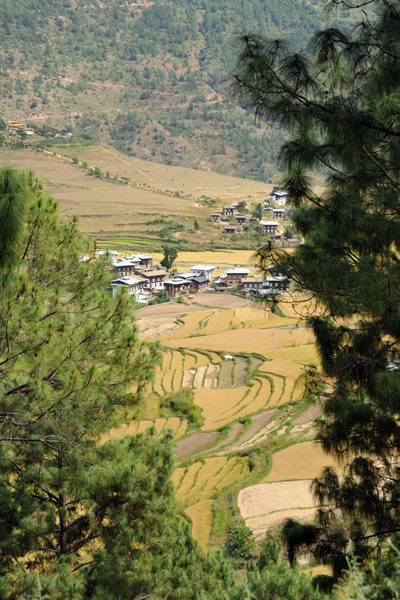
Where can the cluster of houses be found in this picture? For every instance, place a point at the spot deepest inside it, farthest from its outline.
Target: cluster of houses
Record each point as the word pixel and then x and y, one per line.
pixel 277 198
pixel 138 275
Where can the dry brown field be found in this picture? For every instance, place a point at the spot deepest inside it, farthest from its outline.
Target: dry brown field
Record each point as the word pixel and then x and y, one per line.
pixel 105 207
pixel 265 505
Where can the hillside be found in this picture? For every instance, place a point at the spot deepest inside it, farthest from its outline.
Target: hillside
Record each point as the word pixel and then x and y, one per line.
pixel 136 202
pixel 145 77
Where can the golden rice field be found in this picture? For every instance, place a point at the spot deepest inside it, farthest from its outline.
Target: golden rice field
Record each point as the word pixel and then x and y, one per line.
pixel 260 341
pixel 197 485
pixel 202 518
pixel 178 426
pixel 300 461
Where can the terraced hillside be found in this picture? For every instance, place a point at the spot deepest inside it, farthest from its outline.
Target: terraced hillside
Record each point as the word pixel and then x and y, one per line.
pixel 232 387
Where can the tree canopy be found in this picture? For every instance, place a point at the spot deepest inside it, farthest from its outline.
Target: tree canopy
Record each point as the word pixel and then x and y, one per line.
pixel 82 516
pixel 340 104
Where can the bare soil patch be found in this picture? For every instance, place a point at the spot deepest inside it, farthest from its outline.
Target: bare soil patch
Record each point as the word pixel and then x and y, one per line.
pixel 221 300
pixel 154 326
pixel 195 442
pixel 309 415
pixel 259 421
pixel 234 433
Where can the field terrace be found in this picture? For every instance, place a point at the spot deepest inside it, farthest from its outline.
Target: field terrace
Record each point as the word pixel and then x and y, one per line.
pixel 245 369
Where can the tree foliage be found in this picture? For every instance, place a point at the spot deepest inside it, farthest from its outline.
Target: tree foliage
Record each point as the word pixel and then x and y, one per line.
pixel 81 517
pixel 340 103
pixel 170 254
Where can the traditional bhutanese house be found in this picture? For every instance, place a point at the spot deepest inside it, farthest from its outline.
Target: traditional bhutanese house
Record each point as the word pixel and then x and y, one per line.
pixel 143 260
pixel 127 266
pixel 220 282
pixel 240 219
pixel 278 282
pixel 188 275
pixel 278 197
pixel 131 284
pixel 251 284
pixel 177 287
pixel 234 205
pixel 154 280
pixel 216 217
pixel 203 271
pixel 279 213
pixel 230 229
pixel 292 241
pixel 254 220
pixel 270 227
pixel 199 284
pixel 227 210
pixel 236 275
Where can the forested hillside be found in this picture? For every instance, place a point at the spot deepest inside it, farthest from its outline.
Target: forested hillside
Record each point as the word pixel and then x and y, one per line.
pixel 147 77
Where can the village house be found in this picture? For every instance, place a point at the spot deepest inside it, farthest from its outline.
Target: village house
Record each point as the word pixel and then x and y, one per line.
pixel 230 229
pixel 198 284
pixel 278 197
pixel 251 284
pixel 279 213
pixel 203 271
pixel 236 275
pixel 216 217
pixel 279 282
pixel 127 266
pixel 270 227
pixel 154 280
pixel 253 220
pixel 227 210
pixel 145 261
pixel 240 219
pixel 177 287
pixel 131 284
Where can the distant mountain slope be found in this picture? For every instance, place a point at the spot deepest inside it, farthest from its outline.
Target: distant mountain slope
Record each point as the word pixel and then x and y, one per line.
pixel 146 77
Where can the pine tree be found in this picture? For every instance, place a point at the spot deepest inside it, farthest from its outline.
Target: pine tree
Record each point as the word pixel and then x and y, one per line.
pixel 81 517
pixel 340 103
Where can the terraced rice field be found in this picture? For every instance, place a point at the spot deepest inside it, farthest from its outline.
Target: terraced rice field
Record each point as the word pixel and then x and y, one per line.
pixel 245 369
pixel 300 461
pixel 197 484
pixel 178 426
pixel 266 342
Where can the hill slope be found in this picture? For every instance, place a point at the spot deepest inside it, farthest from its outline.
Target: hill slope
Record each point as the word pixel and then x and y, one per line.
pixel 145 76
